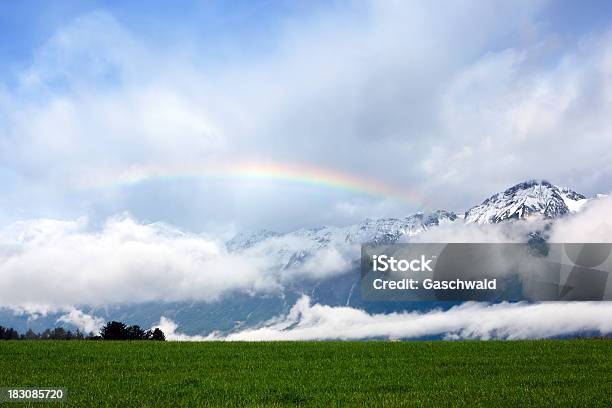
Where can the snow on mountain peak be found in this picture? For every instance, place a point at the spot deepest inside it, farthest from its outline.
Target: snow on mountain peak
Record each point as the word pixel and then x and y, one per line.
pixel 535 197
pixel 526 199
pixel 388 230
pixel 245 240
pixel 383 230
pixel 311 249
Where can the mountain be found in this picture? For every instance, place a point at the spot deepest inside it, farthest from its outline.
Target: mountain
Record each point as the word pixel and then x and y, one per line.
pixel 382 231
pixel 389 230
pixel 526 199
pixel 244 240
pixel 293 256
pixel 534 197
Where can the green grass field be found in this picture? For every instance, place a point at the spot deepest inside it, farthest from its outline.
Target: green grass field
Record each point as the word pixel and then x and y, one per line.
pixel 515 373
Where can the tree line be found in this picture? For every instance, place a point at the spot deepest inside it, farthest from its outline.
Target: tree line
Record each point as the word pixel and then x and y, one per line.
pixel 110 331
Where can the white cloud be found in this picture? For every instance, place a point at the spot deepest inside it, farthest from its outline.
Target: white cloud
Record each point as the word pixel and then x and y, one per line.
pixel 84 322
pixel 169 328
pixel 428 101
pixel 592 224
pixel 535 111
pixel 467 321
pixel 461 232
pixel 65 263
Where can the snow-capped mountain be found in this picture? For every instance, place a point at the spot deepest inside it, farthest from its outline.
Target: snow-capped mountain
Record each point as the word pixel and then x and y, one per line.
pixel 388 230
pixel 290 253
pixel 297 261
pixel 534 197
pixel 297 248
pixel 383 230
pixel 245 240
pixel 526 199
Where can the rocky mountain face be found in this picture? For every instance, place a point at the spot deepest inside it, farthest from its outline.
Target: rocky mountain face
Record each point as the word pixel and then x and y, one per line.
pixel 524 200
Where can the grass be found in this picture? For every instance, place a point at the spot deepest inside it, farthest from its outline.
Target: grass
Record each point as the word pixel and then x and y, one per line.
pixel 500 374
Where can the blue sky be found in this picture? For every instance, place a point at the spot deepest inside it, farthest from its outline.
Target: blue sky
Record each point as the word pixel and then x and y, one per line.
pixel 247 26
pixel 451 103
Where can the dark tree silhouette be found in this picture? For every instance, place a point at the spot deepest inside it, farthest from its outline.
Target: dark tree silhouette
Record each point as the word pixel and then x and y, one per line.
pixel 30 335
pixel 7 333
pixel 135 333
pixel 114 331
pixel 120 331
pixel 158 335
pixel 111 331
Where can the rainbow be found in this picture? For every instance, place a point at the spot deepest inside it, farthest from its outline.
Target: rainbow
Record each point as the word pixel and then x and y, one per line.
pixel 280 172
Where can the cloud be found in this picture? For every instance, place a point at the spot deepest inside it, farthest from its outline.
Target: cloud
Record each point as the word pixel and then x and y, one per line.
pixel 84 322
pixel 89 104
pixel 169 328
pixel 515 112
pixel 460 232
pixel 467 321
pixel 76 262
pixel 428 101
pixel 591 224
pixel 65 263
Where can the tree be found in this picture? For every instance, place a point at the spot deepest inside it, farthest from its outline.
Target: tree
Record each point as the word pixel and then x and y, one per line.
pixel 158 335
pixel 30 335
pixel 58 334
pixel 114 331
pixel 135 333
pixel 8 333
pixel 111 331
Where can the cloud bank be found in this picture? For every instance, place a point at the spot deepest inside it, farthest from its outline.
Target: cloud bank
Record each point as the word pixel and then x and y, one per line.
pixel 70 263
pixel 592 224
pixel 65 263
pixel 467 321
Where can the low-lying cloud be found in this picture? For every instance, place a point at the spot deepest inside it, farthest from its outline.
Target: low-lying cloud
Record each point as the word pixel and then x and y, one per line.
pixel 56 264
pixel 84 322
pixel 592 224
pixel 467 321
pixel 482 321
pixel 169 327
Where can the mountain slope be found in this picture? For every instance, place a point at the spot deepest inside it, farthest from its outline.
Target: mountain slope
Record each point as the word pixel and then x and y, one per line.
pixel 524 200
pixel 382 230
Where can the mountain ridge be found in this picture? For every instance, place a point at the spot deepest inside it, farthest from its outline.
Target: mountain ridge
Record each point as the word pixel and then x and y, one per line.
pixel 518 202
pixel 292 255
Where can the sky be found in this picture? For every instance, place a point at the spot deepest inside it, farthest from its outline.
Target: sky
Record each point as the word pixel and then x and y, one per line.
pixel 136 138
pixel 220 117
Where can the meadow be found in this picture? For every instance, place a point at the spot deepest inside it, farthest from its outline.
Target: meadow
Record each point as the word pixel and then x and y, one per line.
pixel 551 373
